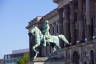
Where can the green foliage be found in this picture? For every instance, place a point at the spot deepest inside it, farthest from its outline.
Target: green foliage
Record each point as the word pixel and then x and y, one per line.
pixel 24 59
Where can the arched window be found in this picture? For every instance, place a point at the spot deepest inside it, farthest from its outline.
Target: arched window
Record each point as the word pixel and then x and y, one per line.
pixel 75 58
pixel 92 57
pixel 85 63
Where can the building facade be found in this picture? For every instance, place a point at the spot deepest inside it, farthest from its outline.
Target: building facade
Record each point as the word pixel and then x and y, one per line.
pixel 1 61
pixel 76 19
pixel 15 56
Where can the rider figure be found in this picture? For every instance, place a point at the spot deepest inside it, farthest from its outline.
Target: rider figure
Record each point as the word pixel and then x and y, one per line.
pixel 45 31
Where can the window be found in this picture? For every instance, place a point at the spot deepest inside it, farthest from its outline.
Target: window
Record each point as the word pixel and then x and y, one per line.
pixel 75 58
pixel 85 63
pixel 5 57
pixel 9 57
pixel 92 57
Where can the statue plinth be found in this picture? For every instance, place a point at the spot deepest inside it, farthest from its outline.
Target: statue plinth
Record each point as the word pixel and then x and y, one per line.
pixel 38 60
pixel 57 55
pixel 53 58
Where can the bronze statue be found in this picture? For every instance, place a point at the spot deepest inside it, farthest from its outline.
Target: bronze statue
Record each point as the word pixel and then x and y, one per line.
pixel 46 37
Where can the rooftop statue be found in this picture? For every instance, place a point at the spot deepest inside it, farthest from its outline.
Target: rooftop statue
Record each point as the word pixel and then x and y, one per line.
pixel 44 37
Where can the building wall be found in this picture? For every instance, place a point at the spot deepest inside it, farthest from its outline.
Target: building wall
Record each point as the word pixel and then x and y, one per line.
pixel 78 54
pixel 84 53
pixel 15 56
pixel 76 19
pixel 12 58
pixel 1 61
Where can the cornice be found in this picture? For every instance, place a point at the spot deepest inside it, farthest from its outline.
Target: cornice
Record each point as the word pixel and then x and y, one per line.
pixel 51 14
pixel 57 1
pixel 61 3
pixel 46 17
pixel 34 21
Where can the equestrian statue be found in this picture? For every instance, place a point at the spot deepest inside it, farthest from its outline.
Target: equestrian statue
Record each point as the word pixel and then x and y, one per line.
pixel 43 37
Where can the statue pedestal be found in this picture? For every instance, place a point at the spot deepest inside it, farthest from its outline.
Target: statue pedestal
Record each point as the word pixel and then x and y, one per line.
pixel 57 54
pixel 53 58
pixel 38 60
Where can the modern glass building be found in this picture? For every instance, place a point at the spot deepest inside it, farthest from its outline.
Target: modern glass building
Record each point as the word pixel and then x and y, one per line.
pixel 14 57
pixel 1 61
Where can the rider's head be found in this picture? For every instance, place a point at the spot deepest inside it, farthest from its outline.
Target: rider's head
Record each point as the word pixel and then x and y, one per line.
pixel 46 22
pixel 33 25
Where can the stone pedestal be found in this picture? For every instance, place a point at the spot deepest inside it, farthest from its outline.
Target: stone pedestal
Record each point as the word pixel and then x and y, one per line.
pixel 39 60
pixel 53 58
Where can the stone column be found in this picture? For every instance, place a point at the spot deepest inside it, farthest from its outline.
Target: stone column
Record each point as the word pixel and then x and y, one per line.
pixel 31 44
pixel 66 22
pixel 88 21
pixel 81 21
pixel 95 21
pixel 93 11
pixel 72 24
pixel 60 12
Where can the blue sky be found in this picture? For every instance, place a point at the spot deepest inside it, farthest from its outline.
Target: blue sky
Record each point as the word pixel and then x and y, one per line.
pixel 14 17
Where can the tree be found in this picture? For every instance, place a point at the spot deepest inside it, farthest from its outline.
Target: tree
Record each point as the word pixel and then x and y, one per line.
pixel 24 59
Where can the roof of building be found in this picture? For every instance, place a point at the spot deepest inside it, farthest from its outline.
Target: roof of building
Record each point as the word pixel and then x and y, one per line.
pixel 20 51
pixel 45 17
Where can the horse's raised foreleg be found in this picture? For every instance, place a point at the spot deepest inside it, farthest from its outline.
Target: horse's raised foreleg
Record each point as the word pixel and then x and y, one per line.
pixel 34 48
pixel 44 41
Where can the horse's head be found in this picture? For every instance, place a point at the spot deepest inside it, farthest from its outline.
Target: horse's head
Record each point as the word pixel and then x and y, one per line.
pixel 35 30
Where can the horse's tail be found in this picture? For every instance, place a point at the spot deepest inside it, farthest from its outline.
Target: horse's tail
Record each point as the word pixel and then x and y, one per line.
pixel 63 38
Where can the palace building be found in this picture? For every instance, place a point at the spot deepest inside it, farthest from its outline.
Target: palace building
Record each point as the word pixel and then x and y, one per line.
pixel 76 19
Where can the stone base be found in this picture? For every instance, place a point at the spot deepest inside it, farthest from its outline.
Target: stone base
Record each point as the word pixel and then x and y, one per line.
pixel 38 60
pixel 57 54
pixel 47 61
pixel 54 58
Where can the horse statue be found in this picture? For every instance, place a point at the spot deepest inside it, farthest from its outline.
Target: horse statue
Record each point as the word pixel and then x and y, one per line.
pixel 39 37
